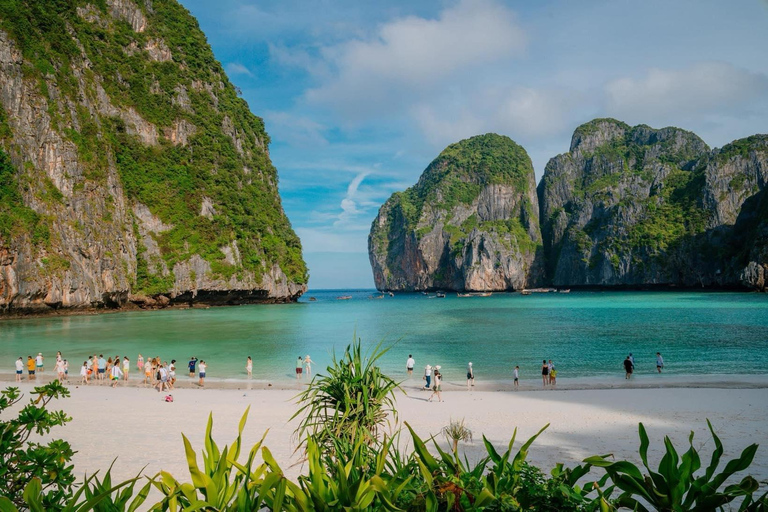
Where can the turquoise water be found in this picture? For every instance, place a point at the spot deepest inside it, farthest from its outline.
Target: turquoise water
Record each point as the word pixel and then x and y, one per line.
pixel 585 333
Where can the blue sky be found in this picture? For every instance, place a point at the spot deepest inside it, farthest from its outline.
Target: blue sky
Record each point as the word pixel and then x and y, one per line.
pixel 360 96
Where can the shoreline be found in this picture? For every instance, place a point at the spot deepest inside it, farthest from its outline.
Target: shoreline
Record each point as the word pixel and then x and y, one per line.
pixel 654 381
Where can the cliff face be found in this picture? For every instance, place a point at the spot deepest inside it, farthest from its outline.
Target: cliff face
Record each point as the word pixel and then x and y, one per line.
pixel 470 223
pixel 130 171
pixel 637 206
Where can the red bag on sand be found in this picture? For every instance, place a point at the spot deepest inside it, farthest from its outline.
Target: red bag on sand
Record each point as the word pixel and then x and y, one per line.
pixel 168 398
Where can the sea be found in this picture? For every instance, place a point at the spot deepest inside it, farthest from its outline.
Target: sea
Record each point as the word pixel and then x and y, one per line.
pixel 587 334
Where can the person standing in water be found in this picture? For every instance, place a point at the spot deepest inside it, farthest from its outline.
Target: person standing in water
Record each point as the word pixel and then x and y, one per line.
pixel 438 380
pixel 516 374
pixel 39 362
pixel 19 369
pixel 299 368
pixel 409 364
pixel 126 368
pixel 203 367
pixel 249 366
pixel 308 365
pixel 544 373
pixel 659 362
pixel 192 363
pixel 470 376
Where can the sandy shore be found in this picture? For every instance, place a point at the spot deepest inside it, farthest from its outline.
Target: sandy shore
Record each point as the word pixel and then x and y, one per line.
pixel 136 426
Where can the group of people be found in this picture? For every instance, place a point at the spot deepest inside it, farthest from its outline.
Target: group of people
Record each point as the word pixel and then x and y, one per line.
pixel 629 365
pixel 157 373
pixel 303 367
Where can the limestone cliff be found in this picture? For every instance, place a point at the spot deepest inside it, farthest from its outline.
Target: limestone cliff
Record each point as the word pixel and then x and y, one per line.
pixel 470 223
pixel 636 206
pixel 130 171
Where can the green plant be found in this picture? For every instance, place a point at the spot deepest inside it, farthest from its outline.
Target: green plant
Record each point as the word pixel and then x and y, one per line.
pixel 23 460
pixel 353 402
pixel 456 431
pixel 675 486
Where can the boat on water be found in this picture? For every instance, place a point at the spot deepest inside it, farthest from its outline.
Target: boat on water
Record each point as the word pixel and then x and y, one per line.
pixel 312 299
pixel 343 297
pixel 440 295
pixel 376 297
pixel 525 292
pixel 475 294
pixel 542 290
pixel 567 290
pixel 390 294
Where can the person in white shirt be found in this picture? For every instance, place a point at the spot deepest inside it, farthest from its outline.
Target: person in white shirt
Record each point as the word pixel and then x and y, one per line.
pixel 114 374
pixel 84 373
pixel 19 369
pixel 126 367
pixel 172 374
pixel 60 370
pixel 308 365
pixel 659 362
pixel 470 376
pixel 517 376
pixel 409 364
pixel 202 366
pixel 427 376
pixel 39 362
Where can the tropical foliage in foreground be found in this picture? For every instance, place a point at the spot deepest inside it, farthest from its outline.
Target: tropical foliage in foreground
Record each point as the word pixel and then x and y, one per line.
pixel 358 466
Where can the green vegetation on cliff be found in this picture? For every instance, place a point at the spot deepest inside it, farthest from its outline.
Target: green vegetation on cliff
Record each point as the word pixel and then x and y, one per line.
pixel 207 144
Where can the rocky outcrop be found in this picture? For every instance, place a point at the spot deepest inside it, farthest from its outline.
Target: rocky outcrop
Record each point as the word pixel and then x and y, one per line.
pixel 470 223
pixel 635 206
pixel 106 158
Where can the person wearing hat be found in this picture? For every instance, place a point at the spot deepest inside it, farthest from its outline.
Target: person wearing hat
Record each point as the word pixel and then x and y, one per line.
pixel 470 376
pixel 39 362
pixel 427 376
pixel 308 365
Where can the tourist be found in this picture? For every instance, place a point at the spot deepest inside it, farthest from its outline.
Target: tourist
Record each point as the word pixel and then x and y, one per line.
pixel 192 363
pixel 553 377
pixel 470 376
pixel 659 362
pixel 126 367
pixel 409 364
pixel 39 362
pixel 628 367
pixel 161 378
pixel 84 373
pixel 299 367
pixel 110 364
pixel 438 379
pixel 427 376
pixel 60 370
pixel 550 367
pixel 203 367
pixel 66 370
pixel 102 367
pixel 148 372
pixel 516 374
pixel 544 373
pixel 308 365
pixel 632 359
pixel 19 369
pixel 31 368
pixel 89 364
pixel 249 366
pixel 172 374
pixel 115 373
pixel 140 363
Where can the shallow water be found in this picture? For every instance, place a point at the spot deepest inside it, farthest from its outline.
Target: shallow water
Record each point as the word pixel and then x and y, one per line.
pixel 585 333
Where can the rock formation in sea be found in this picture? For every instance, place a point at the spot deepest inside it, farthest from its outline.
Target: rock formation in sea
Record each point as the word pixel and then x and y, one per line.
pixel 625 207
pixel 130 170
pixel 470 223
pixel 637 206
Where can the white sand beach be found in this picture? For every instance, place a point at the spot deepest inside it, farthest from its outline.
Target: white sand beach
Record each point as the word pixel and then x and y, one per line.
pixel 135 425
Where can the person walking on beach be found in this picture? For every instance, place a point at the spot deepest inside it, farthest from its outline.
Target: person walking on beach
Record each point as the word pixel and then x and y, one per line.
pixel 427 376
pixel 308 365
pixel 249 366
pixel 516 374
pixel 659 362
pixel 30 368
pixel 148 372
pixel 19 369
pixel 203 367
pixel 544 373
pixel 470 376
pixel 172 374
pixel 409 364
pixel 126 368
pixel 438 380
pixel 114 374
pixel 84 373
pixel 162 378
pixel 60 370
pixel 192 363
pixel 632 360
pixel 628 367
pixel 299 368
pixel 39 362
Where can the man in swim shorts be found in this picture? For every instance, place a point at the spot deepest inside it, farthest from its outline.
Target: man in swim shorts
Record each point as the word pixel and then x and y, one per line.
pixel 30 368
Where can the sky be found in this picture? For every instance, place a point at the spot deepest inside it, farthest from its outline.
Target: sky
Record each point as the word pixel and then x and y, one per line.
pixel 359 96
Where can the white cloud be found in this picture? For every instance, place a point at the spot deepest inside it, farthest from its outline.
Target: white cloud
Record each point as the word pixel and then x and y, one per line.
pixel 235 68
pixel 349 206
pixel 410 56
pixel 700 90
